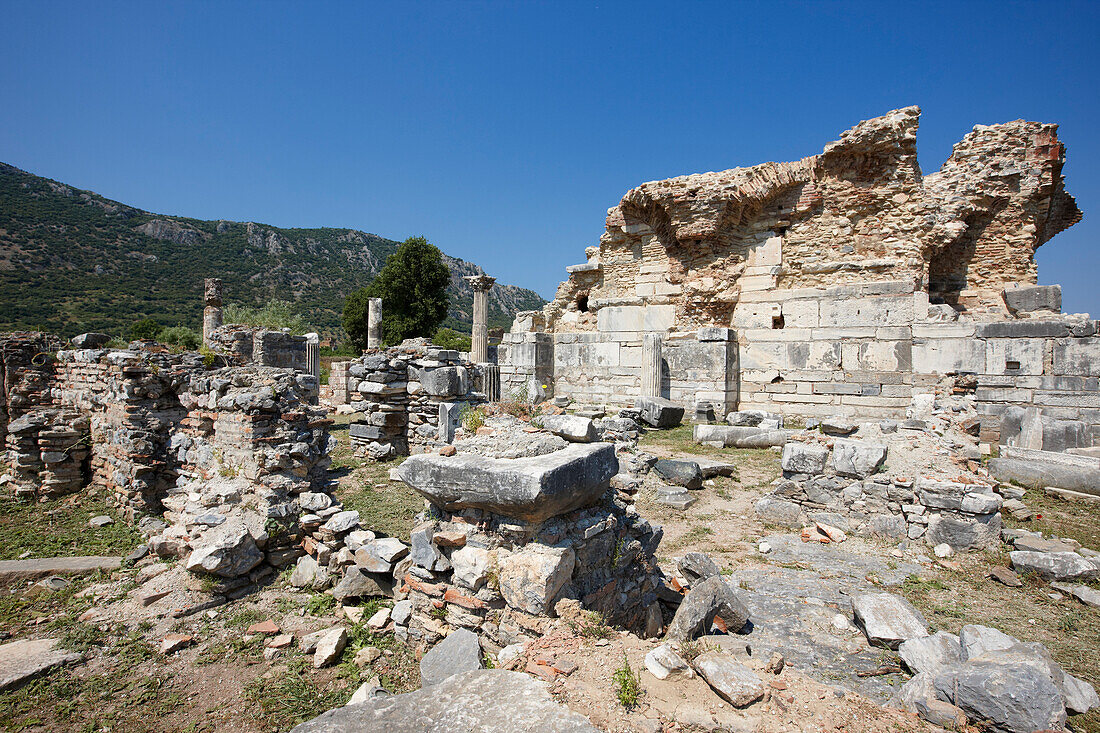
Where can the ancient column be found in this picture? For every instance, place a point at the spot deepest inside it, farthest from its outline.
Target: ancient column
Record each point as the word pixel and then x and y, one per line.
pixel 313 354
pixel 212 313
pixel 651 365
pixel 374 323
pixel 479 333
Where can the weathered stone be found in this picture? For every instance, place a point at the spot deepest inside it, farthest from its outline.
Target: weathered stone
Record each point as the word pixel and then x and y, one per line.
pixel 964 534
pixel 471 566
pixel 445 381
pixel 681 473
pixel 380 555
pixel 665 660
pixel 734 682
pixel 930 653
pixel 781 512
pixel 887 619
pixel 358 583
pixel 533 489
pixel 711 467
pixel 1079 696
pixel 571 427
pixel 857 458
pixel 660 413
pixel 424 552
pixel 838 426
pixel 329 646
pixel 732 436
pixel 459 652
pixel 1030 298
pixel 342 522
pixel 25 659
pixel 1014 698
pixel 709 599
pixel 804 458
pixel 38 567
pixel 696 566
pixel 481 700
pixel 309 574
pixel 1054 565
pixel 531 578
pixel 228 551
pixel 918 695
pixel 1083 593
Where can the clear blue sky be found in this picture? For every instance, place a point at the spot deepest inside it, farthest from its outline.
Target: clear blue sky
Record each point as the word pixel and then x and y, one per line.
pixel 504 131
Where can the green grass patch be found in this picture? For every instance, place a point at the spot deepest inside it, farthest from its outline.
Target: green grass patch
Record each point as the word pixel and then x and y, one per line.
pixel 59 528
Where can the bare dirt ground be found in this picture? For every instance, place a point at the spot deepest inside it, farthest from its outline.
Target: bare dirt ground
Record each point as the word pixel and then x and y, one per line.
pixel 224 681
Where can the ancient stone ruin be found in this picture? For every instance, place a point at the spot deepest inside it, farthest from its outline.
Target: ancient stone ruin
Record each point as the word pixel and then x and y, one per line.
pixel 840 284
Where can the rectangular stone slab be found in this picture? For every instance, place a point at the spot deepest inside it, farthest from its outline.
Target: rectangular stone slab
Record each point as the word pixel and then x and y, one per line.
pixel 38 567
pixel 533 489
pixel 24 659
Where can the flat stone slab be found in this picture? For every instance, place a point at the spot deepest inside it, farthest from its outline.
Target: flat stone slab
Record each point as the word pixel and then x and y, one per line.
pixel 1047 468
pixel 481 700
pixel 38 567
pixel 533 489
pixel 736 436
pixel 22 660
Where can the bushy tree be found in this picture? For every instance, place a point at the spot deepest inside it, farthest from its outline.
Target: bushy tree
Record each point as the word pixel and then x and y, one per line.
pixel 180 336
pixel 413 288
pixel 146 328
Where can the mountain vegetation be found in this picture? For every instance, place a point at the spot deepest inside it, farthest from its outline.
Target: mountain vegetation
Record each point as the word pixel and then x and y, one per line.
pixel 74 261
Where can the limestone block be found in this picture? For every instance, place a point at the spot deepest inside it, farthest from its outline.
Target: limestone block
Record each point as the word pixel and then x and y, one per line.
pixel 1080 356
pixel 1015 356
pixel 944 355
pixel 531 578
pixel 1030 298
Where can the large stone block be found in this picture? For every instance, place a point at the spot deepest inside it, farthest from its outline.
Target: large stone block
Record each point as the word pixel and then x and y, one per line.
pixel 451 381
pixel 739 436
pixel 1030 298
pixel 532 489
pixel 479 700
pixel 658 412
pixel 804 458
pixel 531 579
pixel 857 458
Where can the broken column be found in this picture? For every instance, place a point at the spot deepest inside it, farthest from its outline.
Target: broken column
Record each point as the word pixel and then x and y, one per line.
pixel 374 323
pixel 479 332
pixel 212 313
pixel 313 354
pixel 651 365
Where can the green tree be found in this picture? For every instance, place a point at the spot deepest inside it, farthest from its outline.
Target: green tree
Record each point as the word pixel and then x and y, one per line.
pixel 413 288
pixel 146 328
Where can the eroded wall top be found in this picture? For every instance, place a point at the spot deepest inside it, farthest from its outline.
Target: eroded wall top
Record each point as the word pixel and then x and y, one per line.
pixel 687 248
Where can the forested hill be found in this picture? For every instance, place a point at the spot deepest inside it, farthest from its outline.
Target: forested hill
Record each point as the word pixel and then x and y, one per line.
pixel 73 261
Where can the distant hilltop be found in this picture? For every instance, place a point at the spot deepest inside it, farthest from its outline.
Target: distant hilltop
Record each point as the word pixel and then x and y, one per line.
pixel 73 261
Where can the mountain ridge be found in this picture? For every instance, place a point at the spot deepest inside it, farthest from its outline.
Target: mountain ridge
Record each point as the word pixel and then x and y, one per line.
pixel 72 260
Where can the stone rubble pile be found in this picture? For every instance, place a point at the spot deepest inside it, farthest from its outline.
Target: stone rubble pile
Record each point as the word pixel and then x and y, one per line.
pixel 986 676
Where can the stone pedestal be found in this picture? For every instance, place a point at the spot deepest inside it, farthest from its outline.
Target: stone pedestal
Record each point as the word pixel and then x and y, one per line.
pixel 212 312
pixel 479 333
pixel 374 323
pixel 651 365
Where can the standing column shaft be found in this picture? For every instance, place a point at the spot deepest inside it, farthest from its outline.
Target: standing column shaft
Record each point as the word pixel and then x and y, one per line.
pixel 374 323
pixel 651 365
pixel 479 332
pixel 212 312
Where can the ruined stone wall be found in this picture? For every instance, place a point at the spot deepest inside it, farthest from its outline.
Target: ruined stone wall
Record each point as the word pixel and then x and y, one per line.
pixel 401 394
pixel 844 276
pixel 26 368
pixel 262 346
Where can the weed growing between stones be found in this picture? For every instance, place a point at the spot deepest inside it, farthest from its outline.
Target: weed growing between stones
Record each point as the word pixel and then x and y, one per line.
pixel 291 697
pixel 591 625
pixel 628 687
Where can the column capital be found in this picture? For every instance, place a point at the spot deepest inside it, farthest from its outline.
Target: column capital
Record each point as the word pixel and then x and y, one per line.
pixel 480 283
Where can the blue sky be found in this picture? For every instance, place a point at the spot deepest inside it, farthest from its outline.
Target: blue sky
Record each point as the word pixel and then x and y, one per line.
pixel 504 131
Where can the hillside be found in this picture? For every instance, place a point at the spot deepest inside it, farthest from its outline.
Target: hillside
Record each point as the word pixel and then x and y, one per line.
pixel 73 261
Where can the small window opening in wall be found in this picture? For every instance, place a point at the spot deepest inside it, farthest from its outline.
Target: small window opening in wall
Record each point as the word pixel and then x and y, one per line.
pixel 777 379
pixel 777 321
pixel 1012 366
pixel 582 303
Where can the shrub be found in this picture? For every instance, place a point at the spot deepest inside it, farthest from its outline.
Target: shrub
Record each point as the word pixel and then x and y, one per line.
pixel 146 328
pixel 449 339
pixel 628 687
pixel 180 336
pixel 274 314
